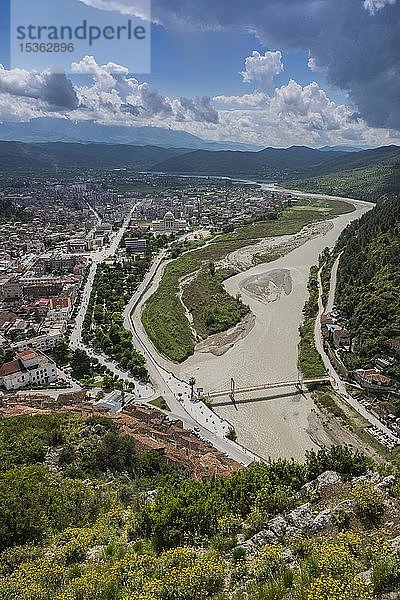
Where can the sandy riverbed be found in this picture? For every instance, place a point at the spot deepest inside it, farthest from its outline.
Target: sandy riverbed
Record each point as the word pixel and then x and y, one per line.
pixel 279 424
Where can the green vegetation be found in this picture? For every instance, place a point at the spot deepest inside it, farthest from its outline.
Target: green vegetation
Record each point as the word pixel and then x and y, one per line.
pixel 164 316
pixel 87 529
pixel 368 183
pixel 160 402
pixel 367 294
pixel 324 397
pixel 213 310
pixel 103 327
pixel 310 362
pixel 87 370
pixel 9 212
pixel 53 474
pixel 364 175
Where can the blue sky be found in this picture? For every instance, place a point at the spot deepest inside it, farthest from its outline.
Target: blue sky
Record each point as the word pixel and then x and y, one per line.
pixel 268 72
pixel 192 63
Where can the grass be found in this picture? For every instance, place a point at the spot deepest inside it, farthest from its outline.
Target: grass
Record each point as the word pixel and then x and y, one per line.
pixel 164 317
pixel 161 403
pixel 212 308
pixel 310 361
pixel 323 397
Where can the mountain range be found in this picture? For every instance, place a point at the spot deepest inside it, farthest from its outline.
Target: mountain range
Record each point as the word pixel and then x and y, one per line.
pixel 64 130
pixel 272 164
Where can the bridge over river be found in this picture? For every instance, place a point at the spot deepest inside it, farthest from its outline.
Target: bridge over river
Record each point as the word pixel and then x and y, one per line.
pixel 299 384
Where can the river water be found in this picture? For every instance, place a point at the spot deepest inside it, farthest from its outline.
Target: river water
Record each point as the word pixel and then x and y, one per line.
pixel 279 422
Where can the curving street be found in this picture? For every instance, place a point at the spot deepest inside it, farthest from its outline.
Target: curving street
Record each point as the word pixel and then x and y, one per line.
pixel 337 383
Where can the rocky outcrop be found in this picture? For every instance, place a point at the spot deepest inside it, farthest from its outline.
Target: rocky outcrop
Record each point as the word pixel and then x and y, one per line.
pixel 303 521
pixel 323 480
pixel 386 484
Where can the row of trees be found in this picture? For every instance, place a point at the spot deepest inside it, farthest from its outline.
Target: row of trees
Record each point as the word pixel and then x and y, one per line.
pixel 103 327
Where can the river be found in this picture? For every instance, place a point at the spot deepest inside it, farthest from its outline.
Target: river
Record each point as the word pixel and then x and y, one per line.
pixel 280 422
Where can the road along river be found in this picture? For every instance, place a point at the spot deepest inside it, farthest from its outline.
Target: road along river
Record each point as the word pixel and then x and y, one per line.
pixel 281 422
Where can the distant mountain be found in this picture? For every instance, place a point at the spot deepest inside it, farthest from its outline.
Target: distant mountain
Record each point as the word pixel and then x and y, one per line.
pixel 45 130
pixel 58 155
pixel 340 149
pixel 267 163
pixel 366 175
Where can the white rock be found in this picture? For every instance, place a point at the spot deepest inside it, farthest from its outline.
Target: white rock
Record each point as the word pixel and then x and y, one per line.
pixel 386 484
pixel 328 478
pixel 321 521
pixel 301 517
pixel 278 525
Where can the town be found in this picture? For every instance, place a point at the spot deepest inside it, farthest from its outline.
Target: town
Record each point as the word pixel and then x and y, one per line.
pixel 78 248
pixel 60 229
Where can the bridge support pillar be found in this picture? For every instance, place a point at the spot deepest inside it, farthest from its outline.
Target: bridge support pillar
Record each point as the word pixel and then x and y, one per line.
pixel 232 393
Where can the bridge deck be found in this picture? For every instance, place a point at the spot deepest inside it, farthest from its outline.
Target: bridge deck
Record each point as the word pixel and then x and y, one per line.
pixel 269 386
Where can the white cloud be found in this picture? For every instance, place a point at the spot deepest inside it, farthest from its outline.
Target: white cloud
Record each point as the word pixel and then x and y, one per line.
pixel 373 6
pixel 313 65
pixel 294 114
pixel 254 100
pixel 290 114
pixel 134 8
pixel 262 68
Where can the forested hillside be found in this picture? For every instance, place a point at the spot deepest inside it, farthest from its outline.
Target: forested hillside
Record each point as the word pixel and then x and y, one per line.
pixel 368 291
pixel 85 516
pixel 355 179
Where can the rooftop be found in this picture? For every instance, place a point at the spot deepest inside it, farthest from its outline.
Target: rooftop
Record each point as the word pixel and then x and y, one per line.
pixel 9 368
pixel 27 355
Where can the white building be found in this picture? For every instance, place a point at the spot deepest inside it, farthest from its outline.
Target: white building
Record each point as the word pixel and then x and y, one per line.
pixel 29 369
pixel 42 343
pixel 169 224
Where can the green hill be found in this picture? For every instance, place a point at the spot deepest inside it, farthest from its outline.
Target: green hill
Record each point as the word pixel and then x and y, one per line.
pixel 18 156
pixel 86 516
pixel 364 175
pixel 268 163
pixel 369 279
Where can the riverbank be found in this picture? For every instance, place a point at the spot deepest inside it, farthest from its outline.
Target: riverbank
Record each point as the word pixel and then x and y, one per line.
pixel 281 423
pixel 165 316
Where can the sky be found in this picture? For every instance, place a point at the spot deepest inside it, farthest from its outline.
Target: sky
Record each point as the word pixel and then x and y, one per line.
pixel 268 72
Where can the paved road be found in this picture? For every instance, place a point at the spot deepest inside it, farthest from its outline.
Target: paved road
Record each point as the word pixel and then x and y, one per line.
pixel 337 383
pixel 176 392
pixel 332 285
pixel 142 390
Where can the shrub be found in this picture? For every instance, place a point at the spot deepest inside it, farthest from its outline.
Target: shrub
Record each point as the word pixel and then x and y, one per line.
pixel 368 503
pixel 268 564
pixel 329 588
pixel 386 573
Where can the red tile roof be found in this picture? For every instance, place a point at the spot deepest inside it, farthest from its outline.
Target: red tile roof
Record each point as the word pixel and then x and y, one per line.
pixel 27 355
pixel 9 368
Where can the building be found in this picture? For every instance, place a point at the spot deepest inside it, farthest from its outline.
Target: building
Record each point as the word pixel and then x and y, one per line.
pixel 371 379
pixel 35 246
pixel 29 369
pixel 136 246
pixel 77 246
pixel 340 337
pixel 11 290
pixel 169 224
pixel 41 342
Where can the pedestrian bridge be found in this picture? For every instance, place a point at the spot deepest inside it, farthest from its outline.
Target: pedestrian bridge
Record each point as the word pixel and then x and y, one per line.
pixel 299 384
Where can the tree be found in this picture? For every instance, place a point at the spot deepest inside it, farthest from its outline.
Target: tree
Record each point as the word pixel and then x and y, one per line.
pixel 80 364
pixel 61 353
pixel 192 383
